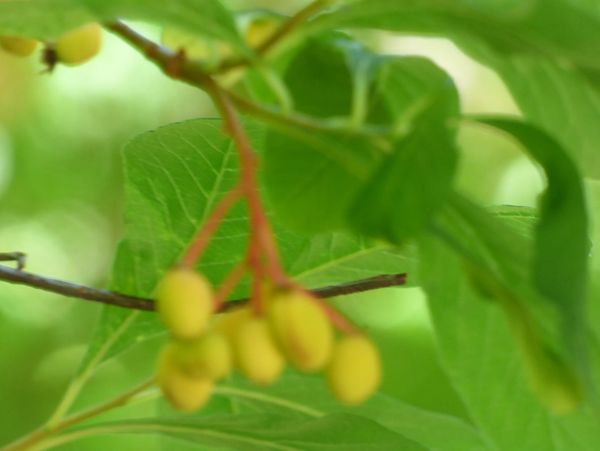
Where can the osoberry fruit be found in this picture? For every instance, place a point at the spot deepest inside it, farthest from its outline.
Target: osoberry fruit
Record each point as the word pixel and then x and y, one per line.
pixel 256 352
pixel 183 391
pixel 79 45
pixel 18 45
pixel 209 356
pixel 354 372
pixel 302 330
pixel 184 302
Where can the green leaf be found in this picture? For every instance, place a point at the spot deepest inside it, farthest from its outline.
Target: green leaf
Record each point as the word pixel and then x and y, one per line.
pixel 559 99
pixel 402 104
pixel 560 266
pixel 264 432
pixel 411 184
pixel 545 52
pixel 308 396
pixel 43 18
pixel 175 175
pixel 552 27
pixel 477 349
pixel 202 17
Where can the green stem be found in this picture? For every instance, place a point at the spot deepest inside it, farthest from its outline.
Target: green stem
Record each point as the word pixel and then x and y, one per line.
pixel 40 438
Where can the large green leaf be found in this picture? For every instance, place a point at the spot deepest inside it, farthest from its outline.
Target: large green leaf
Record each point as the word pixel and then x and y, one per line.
pixel 174 177
pixel 308 396
pixel 325 179
pixel 264 432
pixel 560 266
pixel 478 350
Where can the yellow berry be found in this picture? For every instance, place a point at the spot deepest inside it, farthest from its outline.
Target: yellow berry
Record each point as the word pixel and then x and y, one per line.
pixel 256 352
pixel 183 391
pixel 79 45
pixel 17 45
pixel 229 322
pixel 302 330
pixel 184 302
pixel 354 372
pixel 209 356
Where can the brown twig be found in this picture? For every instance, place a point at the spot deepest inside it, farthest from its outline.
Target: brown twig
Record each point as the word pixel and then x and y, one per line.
pixel 108 297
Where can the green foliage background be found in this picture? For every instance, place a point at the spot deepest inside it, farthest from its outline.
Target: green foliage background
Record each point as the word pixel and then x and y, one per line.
pixel 80 173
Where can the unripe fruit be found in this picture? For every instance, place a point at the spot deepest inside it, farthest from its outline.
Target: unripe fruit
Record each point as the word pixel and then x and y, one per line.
pixel 79 45
pixel 302 330
pixel 209 356
pixel 17 45
pixel 184 302
pixel 354 372
pixel 183 391
pixel 228 323
pixel 256 352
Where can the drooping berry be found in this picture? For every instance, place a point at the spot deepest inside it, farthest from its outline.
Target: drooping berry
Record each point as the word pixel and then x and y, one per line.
pixel 354 372
pixel 184 302
pixel 183 391
pixel 18 46
pixel 257 355
pixel 79 45
pixel 302 330
pixel 209 356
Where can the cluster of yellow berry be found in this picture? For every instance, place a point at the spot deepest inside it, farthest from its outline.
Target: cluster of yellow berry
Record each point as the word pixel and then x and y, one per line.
pixel 294 327
pixel 72 48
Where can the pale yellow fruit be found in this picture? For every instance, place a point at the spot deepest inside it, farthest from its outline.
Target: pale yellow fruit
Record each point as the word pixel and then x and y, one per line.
pixel 183 391
pixel 18 45
pixel 302 330
pixel 209 356
pixel 184 301
pixel 228 323
pixel 258 357
pixel 79 45
pixel 354 372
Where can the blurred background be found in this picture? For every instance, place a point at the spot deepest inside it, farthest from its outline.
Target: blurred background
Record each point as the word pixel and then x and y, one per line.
pixel 61 201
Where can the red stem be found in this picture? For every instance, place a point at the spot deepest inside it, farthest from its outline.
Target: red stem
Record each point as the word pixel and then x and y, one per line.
pixel 229 283
pixel 261 238
pixel 206 232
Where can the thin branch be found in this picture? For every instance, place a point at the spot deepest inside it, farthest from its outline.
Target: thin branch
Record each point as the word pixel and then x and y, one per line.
pixel 19 257
pixel 108 297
